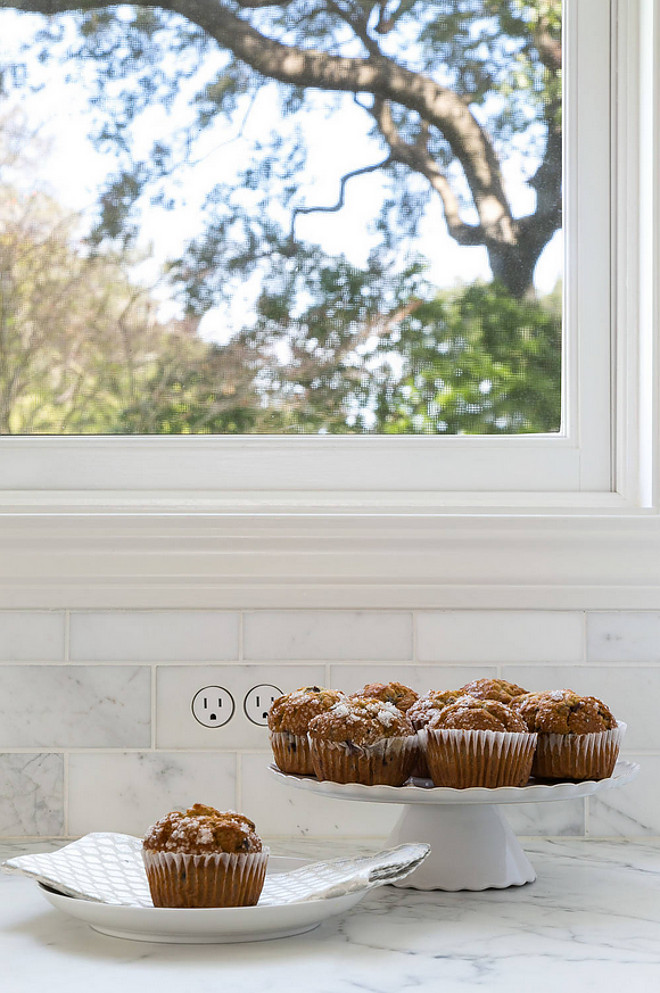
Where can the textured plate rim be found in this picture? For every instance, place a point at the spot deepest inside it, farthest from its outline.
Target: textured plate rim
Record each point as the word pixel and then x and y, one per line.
pixel 625 771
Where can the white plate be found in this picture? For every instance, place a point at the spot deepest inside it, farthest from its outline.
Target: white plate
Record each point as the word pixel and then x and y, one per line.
pixel 207 926
pixel 416 792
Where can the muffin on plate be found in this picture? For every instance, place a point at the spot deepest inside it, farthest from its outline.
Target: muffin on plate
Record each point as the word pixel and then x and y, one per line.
pixel 421 712
pixel 428 705
pixel 396 693
pixel 476 742
pixel 578 736
pixel 204 857
pixel 288 721
pixel 493 689
pixel 363 741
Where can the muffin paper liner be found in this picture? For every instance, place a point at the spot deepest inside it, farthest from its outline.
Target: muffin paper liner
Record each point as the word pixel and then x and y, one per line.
pixel 292 753
pixel 216 880
pixel 462 759
pixel 388 762
pixel 578 756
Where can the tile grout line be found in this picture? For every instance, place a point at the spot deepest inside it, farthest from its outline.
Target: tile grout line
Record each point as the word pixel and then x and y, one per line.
pixel 67 635
pixel 154 672
pixel 65 792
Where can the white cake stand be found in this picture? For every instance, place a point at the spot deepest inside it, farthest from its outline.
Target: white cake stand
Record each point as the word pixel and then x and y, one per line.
pixel 472 845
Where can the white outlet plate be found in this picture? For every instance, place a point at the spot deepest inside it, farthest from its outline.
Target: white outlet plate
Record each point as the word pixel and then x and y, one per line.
pixel 258 702
pixel 213 706
pixel 176 685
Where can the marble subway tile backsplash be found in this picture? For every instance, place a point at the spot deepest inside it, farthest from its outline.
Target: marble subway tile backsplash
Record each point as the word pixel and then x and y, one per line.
pixel 97 732
pixel 67 706
pixel 131 790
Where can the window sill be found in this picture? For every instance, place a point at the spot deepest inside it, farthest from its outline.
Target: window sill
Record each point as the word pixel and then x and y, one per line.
pixel 138 550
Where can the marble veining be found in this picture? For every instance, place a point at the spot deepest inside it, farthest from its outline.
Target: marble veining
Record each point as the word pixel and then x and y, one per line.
pixel 31 795
pixel 589 923
pixel 63 706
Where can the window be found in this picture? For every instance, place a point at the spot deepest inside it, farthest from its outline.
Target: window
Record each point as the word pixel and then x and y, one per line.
pixel 417 469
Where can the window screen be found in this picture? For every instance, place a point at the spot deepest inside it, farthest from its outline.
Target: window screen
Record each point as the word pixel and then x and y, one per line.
pixel 328 217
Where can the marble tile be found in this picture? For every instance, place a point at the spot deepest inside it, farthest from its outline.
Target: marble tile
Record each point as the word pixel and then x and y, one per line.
pixel 154 636
pixel 129 791
pixel 419 677
pixel 31 636
pixel 279 810
pixel 500 636
pixel 31 795
pixel 631 692
pixel 631 811
pixel 338 635
pixel 539 820
pixel 176 685
pixel 623 636
pixel 61 706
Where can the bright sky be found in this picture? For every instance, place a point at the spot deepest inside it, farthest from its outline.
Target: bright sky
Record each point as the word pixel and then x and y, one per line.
pixel 337 144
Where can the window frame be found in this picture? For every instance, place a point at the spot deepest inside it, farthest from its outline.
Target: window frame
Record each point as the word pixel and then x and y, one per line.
pixel 318 545
pixel 577 460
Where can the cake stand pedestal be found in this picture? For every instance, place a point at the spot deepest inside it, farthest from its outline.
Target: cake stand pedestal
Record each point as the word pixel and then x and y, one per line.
pixel 472 845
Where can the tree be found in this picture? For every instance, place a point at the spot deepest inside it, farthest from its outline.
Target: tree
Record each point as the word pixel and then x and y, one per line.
pixel 446 86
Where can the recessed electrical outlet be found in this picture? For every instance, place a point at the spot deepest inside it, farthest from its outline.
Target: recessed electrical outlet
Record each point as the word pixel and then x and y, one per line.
pixel 213 706
pixel 258 702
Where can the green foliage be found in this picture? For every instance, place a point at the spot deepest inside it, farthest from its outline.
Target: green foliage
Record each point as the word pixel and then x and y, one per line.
pixel 477 361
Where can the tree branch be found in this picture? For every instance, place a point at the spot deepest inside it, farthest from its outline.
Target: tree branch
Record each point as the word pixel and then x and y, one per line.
pixel 378 75
pixel 342 191
pixel 417 158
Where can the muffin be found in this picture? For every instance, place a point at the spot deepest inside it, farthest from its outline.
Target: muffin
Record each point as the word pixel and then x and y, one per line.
pixel 363 741
pixel 420 714
pixel 395 693
pixel 476 742
pixel 493 689
pixel 578 736
pixel 427 706
pixel 288 721
pixel 204 858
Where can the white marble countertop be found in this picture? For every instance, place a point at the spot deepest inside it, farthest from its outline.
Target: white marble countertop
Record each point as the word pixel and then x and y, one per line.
pixel 591 922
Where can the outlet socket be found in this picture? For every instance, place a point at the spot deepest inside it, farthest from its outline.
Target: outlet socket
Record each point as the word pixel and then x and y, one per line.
pixel 213 706
pixel 258 702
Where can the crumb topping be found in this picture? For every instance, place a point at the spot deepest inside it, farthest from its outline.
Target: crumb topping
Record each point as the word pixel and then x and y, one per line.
pixel 360 721
pixel 472 714
pixel 402 697
pixel 564 712
pixel 493 689
pixel 292 712
pixel 202 830
pixel 428 705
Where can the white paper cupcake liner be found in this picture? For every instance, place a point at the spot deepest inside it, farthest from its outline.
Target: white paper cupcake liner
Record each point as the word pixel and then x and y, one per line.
pixel 220 879
pixel 461 759
pixel 292 753
pixel 578 756
pixel 388 762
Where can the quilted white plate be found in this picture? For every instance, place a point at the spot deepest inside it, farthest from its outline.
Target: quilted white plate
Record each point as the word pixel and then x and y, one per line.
pixel 415 791
pixel 207 926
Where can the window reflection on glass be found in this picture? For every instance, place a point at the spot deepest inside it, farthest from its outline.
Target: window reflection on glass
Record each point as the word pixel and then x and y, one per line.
pixel 261 217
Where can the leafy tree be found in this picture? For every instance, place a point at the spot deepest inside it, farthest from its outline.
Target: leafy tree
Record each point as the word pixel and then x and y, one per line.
pixel 477 361
pixel 447 88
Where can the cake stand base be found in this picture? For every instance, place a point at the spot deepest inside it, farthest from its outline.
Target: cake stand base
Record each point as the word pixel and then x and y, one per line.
pixel 472 848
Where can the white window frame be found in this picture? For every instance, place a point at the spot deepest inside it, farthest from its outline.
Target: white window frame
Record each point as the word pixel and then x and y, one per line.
pixel 407 521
